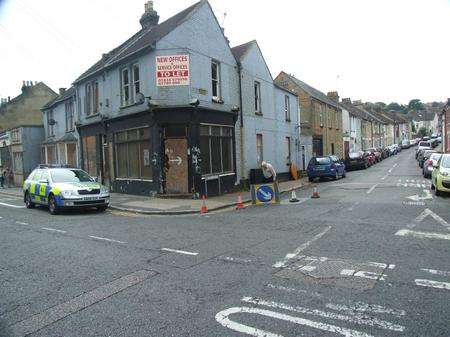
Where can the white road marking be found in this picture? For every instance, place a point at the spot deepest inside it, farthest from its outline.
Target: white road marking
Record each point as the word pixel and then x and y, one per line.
pixel 178 251
pixel 426 195
pixel 372 188
pixel 387 175
pixel 353 206
pixel 9 205
pixel 53 230
pixel 105 239
pixel 433 284
pixel 437 272
pixel 363 274
pixel 364 320
pixel 22 223
pixel 222 318
pixel 235 259
pixel 427 212
pixel 281 264
pixel 292 290
pixel 361 307
pixel 422 235
pixel 381 265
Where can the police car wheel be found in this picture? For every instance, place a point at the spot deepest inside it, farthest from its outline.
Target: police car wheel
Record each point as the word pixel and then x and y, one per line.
pixel 102 208
pixel 28 202
pixel 52 205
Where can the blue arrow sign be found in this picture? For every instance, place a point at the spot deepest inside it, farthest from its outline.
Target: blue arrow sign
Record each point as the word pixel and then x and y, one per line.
pixel 265 193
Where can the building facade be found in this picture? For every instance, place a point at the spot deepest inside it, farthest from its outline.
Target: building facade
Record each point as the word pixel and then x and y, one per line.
pixel 269 119
pixel 322 114
pixel 61 138
pixel 158 113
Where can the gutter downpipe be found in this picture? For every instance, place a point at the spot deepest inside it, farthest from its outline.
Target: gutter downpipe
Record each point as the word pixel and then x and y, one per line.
pixel 241 120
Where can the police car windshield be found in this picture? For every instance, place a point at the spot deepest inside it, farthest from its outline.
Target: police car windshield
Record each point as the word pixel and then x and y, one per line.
pixel 70 176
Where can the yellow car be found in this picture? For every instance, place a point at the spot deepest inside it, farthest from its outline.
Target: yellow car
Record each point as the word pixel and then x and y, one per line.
pixel 440 178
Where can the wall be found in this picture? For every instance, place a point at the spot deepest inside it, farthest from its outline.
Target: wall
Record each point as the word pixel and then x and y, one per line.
pixel 32 137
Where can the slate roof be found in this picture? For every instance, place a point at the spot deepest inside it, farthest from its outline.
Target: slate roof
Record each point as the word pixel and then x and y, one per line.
pixel 355 111
pixel 240 51
pixel 60 98
pixel 317 94
pixel 422 115
pixel 144 38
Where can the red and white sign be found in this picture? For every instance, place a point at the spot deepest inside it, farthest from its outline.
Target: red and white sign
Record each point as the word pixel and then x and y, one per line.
pixel 172 70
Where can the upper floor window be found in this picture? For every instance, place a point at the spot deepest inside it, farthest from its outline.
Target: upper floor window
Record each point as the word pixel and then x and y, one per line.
pixel 130 84
pixel 215 80
pixel 321 114
pixel 91 98
pixel 70 122
pixel 257 89
pixel 287 108
pixel 50 123
pixel 15 136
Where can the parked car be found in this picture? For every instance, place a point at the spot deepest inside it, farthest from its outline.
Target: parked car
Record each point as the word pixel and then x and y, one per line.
pixel 326 167
pixel 424 155
pixel 406 144
pixel 385 153
pixel 392 150
pixel 440 178
pixel 422 145
pixel 420 153
pixel 376 153
pixel 356 160
pixel 370 157
pixel 428 165
pixel 62 188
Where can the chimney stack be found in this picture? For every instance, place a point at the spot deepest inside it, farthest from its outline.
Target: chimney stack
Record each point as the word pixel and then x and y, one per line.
pixel 150 18
pixel 347 100
pixel 358 102
pixel 333 95
pixel 62 91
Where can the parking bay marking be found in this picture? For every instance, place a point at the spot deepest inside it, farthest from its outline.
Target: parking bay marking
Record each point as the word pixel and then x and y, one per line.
pixel 53 230
pixel 372 188
pixel 58 312
pixel 436 272
pixel 106 239
pixel 432 284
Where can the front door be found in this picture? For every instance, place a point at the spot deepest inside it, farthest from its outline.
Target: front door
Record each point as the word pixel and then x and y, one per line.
pixel 176 165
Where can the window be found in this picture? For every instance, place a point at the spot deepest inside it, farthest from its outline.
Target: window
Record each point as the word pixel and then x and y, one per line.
pixel 332 148
pixel 287 108
pixel 215 80
pixel 259 149
pixel 70 123
pixel 321 115
pixel 95 98
pixel 50 124
pixel 51 154
pixel 288 151
pixel 133 154
pixel 216 148
pixel 130 84
pixel 15 136
pixel 257 88
pixel 18 162
pixel 88 99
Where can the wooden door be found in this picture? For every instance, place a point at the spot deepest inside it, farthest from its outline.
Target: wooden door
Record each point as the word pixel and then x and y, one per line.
pixel 176 166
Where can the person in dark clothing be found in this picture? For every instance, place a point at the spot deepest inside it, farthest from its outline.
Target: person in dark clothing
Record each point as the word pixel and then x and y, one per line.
pixel 2 177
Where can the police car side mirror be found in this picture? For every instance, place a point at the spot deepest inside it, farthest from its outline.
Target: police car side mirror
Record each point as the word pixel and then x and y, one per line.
pixel 43 181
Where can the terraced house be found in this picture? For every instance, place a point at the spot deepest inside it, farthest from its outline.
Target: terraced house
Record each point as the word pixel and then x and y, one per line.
pixel 321 117
pixel 157 114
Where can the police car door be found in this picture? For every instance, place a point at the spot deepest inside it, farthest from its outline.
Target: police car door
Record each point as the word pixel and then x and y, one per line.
pixel 34 185
pixel 43 183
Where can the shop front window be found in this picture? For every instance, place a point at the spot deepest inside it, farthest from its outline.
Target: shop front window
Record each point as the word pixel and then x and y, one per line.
pixel 90 155
pixel 132 149
pixel 216 146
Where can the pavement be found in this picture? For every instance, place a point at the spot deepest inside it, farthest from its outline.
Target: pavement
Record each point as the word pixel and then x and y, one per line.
pixel 370 257
pixel 173 206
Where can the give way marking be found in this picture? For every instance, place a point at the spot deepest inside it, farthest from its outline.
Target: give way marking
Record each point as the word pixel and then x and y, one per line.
pixel 425 235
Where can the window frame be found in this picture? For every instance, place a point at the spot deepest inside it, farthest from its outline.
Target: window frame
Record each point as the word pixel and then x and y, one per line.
pixel 216 82
pixel 257 96
pixel 132 84
pixel 221 137
pixel 287 108
pixel 259 149
pixel 289 150
pixel 124 86
pixel 70 122
pixel 50 128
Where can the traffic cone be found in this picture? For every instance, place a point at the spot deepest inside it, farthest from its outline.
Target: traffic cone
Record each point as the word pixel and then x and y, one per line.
pixel 203 209
pixel 293 197
pixel 239 204
pixel 315 194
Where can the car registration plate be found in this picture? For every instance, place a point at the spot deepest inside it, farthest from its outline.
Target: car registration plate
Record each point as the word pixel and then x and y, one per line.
pixel 90 198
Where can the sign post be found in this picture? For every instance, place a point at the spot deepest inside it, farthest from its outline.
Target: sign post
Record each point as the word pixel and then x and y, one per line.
pixel 265 194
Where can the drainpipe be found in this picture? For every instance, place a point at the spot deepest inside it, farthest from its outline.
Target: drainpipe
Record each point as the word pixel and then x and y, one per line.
pixel 241 120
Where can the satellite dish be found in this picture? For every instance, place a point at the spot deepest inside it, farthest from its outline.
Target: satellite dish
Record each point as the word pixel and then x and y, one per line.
pixel 140 98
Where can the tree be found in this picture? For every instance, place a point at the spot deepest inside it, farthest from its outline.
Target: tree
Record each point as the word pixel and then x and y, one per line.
pixel 422 132
pixel 394 106
pixel 415 104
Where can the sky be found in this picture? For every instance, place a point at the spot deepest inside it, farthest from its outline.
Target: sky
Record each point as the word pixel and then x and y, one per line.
pixel 374 50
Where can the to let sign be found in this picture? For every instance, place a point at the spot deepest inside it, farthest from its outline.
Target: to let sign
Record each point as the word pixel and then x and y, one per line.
pixel 172 70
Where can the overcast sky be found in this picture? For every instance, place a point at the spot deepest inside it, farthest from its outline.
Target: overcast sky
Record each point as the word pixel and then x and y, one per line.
pixel 374 50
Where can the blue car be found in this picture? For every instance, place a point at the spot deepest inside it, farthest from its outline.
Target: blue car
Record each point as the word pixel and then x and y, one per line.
pixel 326 167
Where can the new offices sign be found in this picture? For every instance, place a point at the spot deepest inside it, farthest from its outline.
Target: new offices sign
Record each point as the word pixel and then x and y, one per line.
pixel 172 70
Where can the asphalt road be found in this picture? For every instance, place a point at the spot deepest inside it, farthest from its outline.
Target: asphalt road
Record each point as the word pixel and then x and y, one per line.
pixel 363 260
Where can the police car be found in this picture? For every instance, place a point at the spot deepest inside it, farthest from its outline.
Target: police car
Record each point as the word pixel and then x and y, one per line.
pixel 61 188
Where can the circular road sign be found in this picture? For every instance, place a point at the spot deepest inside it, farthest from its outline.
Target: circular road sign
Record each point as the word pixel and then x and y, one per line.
pixel 265 194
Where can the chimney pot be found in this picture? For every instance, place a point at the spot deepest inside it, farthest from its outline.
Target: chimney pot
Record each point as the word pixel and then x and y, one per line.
pixel 150 17
pixel 62 91
pixel 333 95
pixel 347 100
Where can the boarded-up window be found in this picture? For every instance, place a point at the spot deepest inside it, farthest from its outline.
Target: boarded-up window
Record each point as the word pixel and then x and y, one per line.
pixel 90 155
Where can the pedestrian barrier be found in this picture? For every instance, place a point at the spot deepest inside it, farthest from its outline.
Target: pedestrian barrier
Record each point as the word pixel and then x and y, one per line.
pixel 203 209
pixel 239 204
pixel 293 197
pixel 315 194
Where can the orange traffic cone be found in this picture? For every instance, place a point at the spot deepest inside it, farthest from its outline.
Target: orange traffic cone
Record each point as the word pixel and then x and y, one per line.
pixel 315 194
pixel 239 204
pixel 203 209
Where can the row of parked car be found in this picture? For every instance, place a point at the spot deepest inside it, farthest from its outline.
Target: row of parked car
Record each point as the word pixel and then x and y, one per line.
pixel 434 164
pixel 333 167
